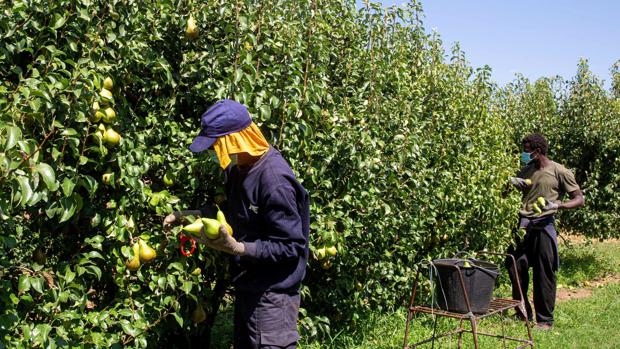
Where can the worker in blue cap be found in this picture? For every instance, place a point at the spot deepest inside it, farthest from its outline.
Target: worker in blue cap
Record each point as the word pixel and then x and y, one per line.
pixel 269 213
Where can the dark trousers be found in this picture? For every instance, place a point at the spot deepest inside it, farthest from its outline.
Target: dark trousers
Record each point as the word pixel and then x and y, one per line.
pixel 536 250
pixel 266 320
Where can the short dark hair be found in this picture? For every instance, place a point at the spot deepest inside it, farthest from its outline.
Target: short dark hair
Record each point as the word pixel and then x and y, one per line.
pixel 536 141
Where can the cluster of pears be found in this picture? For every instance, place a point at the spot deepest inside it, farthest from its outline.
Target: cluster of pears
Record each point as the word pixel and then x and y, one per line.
pixel 106 113
pixel 323 254
pixel 210 227
pixel 142 253
pixel 537 206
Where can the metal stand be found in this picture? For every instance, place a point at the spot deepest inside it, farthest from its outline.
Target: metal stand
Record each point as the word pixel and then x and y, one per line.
pixel 497 306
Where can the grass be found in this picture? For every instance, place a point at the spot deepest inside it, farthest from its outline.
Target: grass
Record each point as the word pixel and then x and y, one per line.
pixel 580 323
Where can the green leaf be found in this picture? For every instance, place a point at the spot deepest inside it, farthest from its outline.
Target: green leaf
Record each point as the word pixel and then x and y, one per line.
pixel 25 190
pixel 95 270
pixel 41 333
pixel 67 187
pixel 127 328
pixel 14 135
pixel 48 175
pixel 89 183
pixel 35 104
pixel 23 284
pixel 179 318
pixel 59 21
pixel 37 284
pixel 265 112
pixel 69 275
pixel 69 206
pixel 238 75
pixel 187 286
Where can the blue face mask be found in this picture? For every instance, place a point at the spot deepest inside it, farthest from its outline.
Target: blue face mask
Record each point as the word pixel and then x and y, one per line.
pixel 213 156
pixel 526 158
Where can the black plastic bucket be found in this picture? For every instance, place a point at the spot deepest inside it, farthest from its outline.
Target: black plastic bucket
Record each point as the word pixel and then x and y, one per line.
pixel 478 278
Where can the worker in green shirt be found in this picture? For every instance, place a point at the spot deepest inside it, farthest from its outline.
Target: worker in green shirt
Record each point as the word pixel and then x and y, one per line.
pixel 543 183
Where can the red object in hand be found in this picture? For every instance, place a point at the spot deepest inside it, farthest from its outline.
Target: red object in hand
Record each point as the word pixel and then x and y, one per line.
pixel 184 239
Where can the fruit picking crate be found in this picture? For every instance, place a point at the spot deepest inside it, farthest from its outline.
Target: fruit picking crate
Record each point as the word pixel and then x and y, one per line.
pixel 495 306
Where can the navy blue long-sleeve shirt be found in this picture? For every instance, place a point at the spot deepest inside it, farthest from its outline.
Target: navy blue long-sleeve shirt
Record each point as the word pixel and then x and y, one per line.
pixel 269 212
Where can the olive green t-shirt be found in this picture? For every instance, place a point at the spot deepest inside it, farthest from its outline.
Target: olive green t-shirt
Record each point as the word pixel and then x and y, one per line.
pixel 551 182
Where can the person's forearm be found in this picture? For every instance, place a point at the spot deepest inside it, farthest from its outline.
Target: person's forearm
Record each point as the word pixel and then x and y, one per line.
pixel 575 202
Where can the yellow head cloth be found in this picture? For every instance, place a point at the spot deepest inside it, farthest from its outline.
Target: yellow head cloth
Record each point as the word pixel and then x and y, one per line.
pixel 249 140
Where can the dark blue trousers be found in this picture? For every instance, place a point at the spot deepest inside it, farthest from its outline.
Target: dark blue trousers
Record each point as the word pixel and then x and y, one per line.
pixel 537 250
pixel 266 320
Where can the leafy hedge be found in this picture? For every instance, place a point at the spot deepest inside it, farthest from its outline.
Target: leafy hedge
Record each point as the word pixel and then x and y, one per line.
pixel 405 153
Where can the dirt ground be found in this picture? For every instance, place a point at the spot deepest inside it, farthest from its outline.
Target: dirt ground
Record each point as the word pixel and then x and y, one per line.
pixel 565 293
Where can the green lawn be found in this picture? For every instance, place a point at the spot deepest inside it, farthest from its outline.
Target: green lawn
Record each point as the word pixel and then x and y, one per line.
pixel 593 321
pixel 580 323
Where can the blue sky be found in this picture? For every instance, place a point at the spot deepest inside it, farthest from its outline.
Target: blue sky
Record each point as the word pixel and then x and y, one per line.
pixel 534 38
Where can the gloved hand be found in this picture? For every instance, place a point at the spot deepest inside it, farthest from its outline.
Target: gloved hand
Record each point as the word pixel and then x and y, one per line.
pixel 169 220
pixel 550 206
pixel 519 183
pixel 174 217
pixel 224 243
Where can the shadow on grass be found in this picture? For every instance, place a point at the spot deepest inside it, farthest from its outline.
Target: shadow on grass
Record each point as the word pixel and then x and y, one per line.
pixel 579 264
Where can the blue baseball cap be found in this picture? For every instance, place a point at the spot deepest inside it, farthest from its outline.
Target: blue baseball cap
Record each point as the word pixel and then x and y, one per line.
pixel 222 118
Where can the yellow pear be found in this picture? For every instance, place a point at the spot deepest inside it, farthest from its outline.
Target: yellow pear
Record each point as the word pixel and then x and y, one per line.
pixel 147 254
pixel 98 115
pixel 321 253
pixel 106 95
pixel 199 315
pixel 108 83
pixel 212 227
pixel 528 182
pixel 541 201
pixel 194 228
pixel 332 251
pixel 111 137
pixel 192 30
pixel 134 263
pixel 197 271
pixel 222 219
pixel 106 178
pixel 109 115
pixel 95 106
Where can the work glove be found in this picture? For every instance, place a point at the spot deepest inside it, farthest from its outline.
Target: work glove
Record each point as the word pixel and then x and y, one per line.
pixel 174 217
pixel 224 243
pixel 519 183
pixel 550 206
pixel 169 220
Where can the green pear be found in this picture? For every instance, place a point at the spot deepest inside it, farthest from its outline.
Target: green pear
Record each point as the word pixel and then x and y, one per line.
pixel 134 263
pixel 108 83
pixel 106 95
pixel 111 137
pixel 147 254
pixel 212 227
pixel 109 115
pixel 192 29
